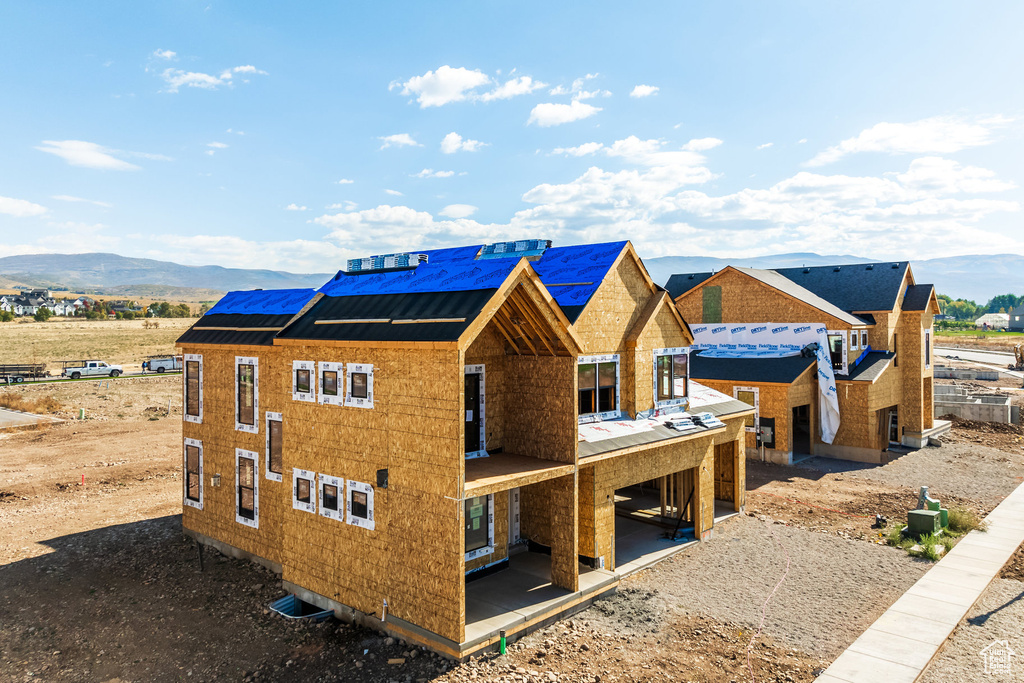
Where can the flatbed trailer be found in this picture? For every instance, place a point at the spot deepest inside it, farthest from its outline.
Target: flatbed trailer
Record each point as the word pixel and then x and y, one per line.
pixel 17 373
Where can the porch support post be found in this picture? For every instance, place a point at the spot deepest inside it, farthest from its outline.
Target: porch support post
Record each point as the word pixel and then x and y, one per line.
pixel 739 458
pixel 704 496
pixel 565 571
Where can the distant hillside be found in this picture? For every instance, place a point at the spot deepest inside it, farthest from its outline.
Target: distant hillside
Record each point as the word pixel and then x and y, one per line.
pixel 100 271
pixel 970 277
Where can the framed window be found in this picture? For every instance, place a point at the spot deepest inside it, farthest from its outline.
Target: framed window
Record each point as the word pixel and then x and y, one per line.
pixel 854 336
pixel 750 396
pixel 927 349
pixel 304 381
pixel 247 488
pixel 479 516
pixel 837 350
pixel 193 388
pixel 304 490
pixel 332 497
pixel 475 405
pixel 598 387
pixel 193 480
pixel 359 509
pixel 275 446
pixel 330 378
pixel 247 394
pixel 671 376
pixel 895 350
pixel 864 339
pixel 359 385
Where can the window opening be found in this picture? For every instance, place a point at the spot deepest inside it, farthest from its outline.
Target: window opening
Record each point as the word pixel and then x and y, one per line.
pixel 750 396
pixel 275 446
pixel 247 509
pixel 331 493
pixel 330 383
pixel 194 473
pixel 671 376
pixel 479 516
pixel 359 511
pixel 246 394
pixel 598 378
pixel 193 388
pixel 304 490
pixel 303 384
pixel 864 339
pixel 475 399
pixel 359 389
pixel 835 350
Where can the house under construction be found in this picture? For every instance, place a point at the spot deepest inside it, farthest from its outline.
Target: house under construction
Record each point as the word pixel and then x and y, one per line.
pixel 457 442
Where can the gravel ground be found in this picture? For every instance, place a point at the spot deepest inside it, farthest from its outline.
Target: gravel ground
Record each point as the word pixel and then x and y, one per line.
pixel 820 608
pixel 968 470
pixel 998 615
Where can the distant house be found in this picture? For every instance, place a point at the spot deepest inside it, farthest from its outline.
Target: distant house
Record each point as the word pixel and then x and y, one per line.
pixel 993 321
pixel 7 303
pixel 1016 323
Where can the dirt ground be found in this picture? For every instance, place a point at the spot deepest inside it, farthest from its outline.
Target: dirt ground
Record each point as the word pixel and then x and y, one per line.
pixel 100 584
pixel 119 342
pixel 992 342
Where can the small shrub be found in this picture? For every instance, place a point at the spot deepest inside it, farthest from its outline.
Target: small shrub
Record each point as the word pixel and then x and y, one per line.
pixel 45 404
pixel 964 520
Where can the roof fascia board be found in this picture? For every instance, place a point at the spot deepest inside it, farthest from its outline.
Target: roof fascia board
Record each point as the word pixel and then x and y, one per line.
pixel 351 344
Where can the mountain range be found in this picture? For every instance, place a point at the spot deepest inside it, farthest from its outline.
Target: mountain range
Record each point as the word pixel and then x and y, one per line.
pixel 970 277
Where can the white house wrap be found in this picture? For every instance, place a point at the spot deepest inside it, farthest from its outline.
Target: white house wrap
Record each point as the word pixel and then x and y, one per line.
pixel 776 340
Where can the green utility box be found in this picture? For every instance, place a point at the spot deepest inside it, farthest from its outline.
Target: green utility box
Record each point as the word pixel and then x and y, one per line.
pixel 943 513
pixel 923 522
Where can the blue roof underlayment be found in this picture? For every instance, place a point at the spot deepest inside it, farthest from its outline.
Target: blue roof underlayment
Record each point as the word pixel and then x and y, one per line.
pixel 572 274
pixel 263 302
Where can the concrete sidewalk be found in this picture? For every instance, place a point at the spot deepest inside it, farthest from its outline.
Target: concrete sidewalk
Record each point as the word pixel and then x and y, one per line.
pixel 15 418
pixel 898 647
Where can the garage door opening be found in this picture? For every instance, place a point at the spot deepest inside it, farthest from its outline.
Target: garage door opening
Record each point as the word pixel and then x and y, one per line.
pixel 653 519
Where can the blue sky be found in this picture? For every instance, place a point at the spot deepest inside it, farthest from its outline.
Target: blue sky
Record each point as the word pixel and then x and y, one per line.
pixel 248 135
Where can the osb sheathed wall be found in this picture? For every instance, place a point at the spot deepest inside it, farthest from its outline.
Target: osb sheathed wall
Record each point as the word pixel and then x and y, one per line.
pixel 609 317
pixel 219 438
pixel 662 331
pixel 748 300
pixel 541 421
pixel 547 516
pixel 413 557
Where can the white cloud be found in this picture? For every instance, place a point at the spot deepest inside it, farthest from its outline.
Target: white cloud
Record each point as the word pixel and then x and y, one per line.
pixel 165 54
pixel 178 78
pixel 935 135
pixel 935 174
pixel 343 206
pixel 458 210
pixel 644 91
pixel 555 114
pixel 345 181
pixel 90 155
pixel 701 144
pixel 431 173
pixel 302 256
pixel 236 132
pixel 217 145
pixel 522 85
pixel 398 140
pixel 295 207
pixel 444 86
pixel 586 149
pixel 209 152
pixel 20 208
pixel 70 198
pixel 801 141
pixel 765 145
pixel 453 142
pixel 394 193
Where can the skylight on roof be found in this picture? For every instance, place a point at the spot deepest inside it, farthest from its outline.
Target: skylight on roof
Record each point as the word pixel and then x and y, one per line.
pixel 385 262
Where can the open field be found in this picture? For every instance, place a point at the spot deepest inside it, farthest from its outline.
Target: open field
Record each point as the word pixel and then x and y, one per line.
pixel 119 342
pixel 989 340
pixel 99 582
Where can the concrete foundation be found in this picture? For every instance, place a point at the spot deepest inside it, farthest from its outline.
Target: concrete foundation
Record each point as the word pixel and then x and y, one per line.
pixel 944 372
pixel 954 400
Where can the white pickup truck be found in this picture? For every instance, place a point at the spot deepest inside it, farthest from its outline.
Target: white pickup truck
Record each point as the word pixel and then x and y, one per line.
pixel 162 364
pixel 76 369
